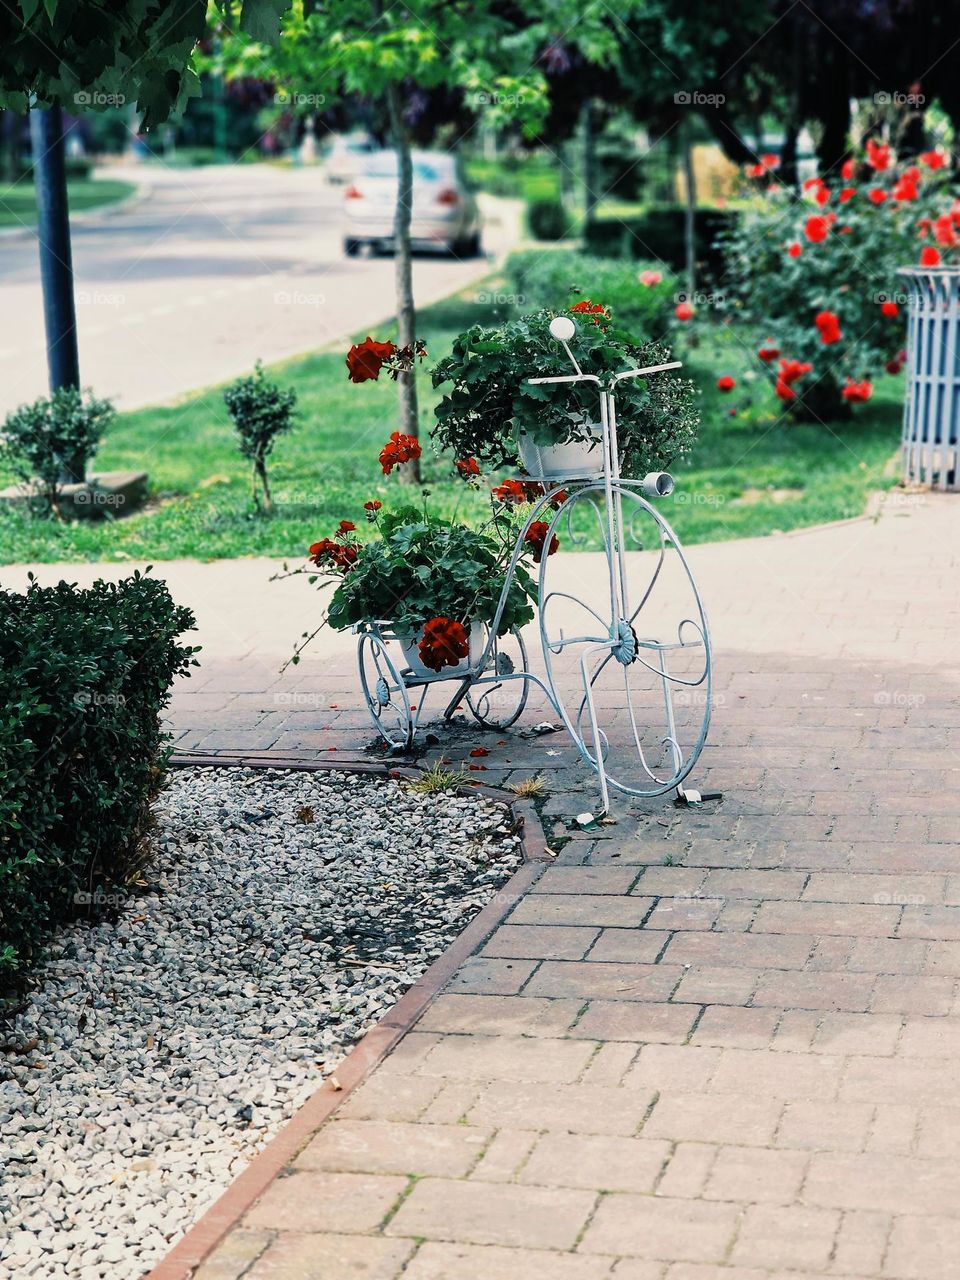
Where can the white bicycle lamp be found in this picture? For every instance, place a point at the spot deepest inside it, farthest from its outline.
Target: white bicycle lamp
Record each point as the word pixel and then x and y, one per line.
pixel 657 484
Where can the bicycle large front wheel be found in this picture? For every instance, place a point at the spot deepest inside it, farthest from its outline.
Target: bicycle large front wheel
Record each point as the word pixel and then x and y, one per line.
pixel 626 645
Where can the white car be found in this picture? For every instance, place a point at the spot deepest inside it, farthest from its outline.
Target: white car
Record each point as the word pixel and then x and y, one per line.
pixel 444 215
pixel 346 155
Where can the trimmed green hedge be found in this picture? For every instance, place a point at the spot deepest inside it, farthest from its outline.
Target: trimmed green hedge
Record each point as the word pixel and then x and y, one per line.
pixel 556 278
pixel 84 675
pixel 658 234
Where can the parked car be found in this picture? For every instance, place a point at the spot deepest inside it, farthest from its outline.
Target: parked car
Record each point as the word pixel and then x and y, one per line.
pixel 345 157
pixel 445 214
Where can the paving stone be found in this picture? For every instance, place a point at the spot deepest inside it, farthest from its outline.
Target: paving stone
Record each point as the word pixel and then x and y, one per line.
pixel 876 1034
pixel 864 921
pixel 382 1098
pixel 495 1015
pixel 342 1202
pixel 492 1213
pixel 795 1237
pixel 874 1181
pixel 577 1108
pixel 557 942
pixel 592 1161
pixel 779 1075
pixel 636 946
pixel 436 1261
pixel 705 984
pixel 601 980
pixel 756 1176
pixel 616 880
pixel 697 1116
pixel 862 1242
pixel 686 1174
pixel 631 1020
pixel 669 1229
pixel 583 909
pixel 726 1026
pixel 909 993
pixel 825 1126
pixel 231 1259
pixel 470 1057
pixel 505 1154
pixel 483 976
pixel 610 1063
pixel 685 913
pixel 686 1068
pixel 296 1256
pixel 744 950
pixel 923 1248
pixel 378 1146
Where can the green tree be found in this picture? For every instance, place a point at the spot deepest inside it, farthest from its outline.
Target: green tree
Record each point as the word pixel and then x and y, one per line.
pixel 495 55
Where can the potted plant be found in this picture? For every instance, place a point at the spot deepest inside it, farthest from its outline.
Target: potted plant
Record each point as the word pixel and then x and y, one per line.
pixel 492 413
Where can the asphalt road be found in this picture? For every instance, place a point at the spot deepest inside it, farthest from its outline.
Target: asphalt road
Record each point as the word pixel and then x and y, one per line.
pixel 211 269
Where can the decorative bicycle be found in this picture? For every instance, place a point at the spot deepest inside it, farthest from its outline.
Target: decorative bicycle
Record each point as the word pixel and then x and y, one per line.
pixel 626 660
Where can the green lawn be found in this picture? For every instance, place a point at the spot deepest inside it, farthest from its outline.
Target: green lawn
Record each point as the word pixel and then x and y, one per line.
pixel 18 205
pixel 750 473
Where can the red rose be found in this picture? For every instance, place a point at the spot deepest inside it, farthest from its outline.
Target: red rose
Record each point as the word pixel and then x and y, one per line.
pixel 857 392
pixel 893 366
pixel 876 195
pixel 932 159
pixel 398 449
pixel 878 155
pixel 726 383
pixel 683 311
pixel 536 537
pixel 848 169
pixel 889 308
pixel 794 249
pixel 443 643
pixel 792 370
pixel 905 189
pixel 847 194
pixel 755 171
pixel 365 359
pixel 769 351
pixel 770 161
pixel 816 230
pixel 784 390
pixel 929 257
pixel 943 231
pixel 828 325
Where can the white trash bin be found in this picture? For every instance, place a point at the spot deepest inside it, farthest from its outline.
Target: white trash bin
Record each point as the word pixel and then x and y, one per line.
pixel 931 414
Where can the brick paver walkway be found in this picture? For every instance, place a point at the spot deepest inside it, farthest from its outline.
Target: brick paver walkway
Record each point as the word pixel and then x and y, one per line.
pixel 718 1044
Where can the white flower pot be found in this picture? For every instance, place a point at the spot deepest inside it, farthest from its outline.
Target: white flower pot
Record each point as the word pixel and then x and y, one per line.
pixel 477 637
pixel 576 460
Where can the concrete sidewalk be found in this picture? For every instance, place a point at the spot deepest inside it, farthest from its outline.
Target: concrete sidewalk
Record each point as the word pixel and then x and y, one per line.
pixel 714 1044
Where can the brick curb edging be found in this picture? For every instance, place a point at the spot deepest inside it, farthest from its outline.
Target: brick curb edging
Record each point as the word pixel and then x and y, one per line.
pixel 226 1211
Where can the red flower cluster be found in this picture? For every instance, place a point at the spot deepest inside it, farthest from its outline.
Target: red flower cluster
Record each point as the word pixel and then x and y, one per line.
pixel 340 556
pixel 857 392
pixel 816 230
pixel 467 467
pixel 398 449
pixel 365 359
pixel 767 164
pixel 828 325
pixel 726 383
pixel 444 643
pixel 769 351
pixel 587 308
pixel 791 371
pixel 932 159
pixel 512 492
pixel 372 507
pixel 878 155
pixel 536 537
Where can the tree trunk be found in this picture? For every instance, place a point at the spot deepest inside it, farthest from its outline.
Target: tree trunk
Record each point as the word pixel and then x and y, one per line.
pixel 403 260
pixel 589 163
pixel 260 474
pixel 689 216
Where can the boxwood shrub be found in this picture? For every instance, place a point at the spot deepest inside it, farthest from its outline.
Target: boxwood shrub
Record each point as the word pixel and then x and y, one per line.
pixel 84 675
pixel 555 278
pixel 658 233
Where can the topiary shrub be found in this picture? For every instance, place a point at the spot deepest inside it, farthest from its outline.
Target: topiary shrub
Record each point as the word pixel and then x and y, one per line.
pixel 562 276
pixel 547 220
pixel 84 675
pixel 54 439
pixel 261 410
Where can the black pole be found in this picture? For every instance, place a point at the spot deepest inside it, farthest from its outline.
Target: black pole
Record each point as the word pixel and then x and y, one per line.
pixel 56 264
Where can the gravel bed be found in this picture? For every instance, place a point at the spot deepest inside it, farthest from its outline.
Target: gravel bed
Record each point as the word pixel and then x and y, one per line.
pixel 282 914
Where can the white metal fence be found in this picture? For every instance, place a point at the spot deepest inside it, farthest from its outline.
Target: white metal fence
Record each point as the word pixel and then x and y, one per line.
pixel 931 442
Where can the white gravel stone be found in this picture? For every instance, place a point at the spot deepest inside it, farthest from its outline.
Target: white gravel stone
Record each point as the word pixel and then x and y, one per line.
pixel 280 914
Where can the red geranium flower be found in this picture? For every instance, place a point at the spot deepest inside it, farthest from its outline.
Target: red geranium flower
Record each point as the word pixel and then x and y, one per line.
pixel 889 308
pixel 398 449
pixel 467 467
pixel 857 392
pixel 794 249
pixel 848 169
pixel 828 325
pixel 595 309
pixel 683 311
pixel 792 370
pixel 878 155
pixel 877 195
pixel 443 643
pixel 816 229
pixel 536 537
pixel 509 491
pixel 327 553
pixel 929 257
pixel 932 159
pixel 365 359
pixel 372 507
pixel 769 351
pixel 726 383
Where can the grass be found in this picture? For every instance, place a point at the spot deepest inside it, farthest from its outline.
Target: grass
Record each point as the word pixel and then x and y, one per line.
pixel 750 474
pixel 18 205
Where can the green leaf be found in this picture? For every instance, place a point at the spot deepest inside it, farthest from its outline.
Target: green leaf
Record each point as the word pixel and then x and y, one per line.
pixel 260 19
